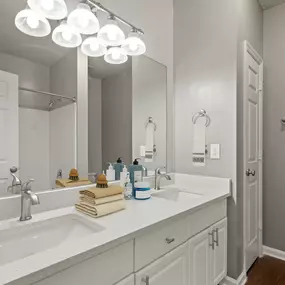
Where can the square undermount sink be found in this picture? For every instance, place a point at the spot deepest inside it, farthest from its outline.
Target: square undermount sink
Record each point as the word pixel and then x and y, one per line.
pixel 29 239
pixel 176 195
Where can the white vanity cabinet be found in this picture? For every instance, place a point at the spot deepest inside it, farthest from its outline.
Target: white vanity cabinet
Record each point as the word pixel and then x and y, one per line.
pixel 186 250
pixel 208 255
pixel 128 281
pixel 170 269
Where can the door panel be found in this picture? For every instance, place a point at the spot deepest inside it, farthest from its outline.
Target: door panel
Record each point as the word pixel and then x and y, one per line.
pixel 200 255
pixel 168 270
pixel 220 252
pixel 251 195
pixel 9 128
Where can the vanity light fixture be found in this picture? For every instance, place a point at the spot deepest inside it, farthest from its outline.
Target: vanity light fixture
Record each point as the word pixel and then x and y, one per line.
pixel 83 20
pixel 111 34
pixel 116 55
pixel 50 9
pixel 32 23
pixel 93 48
pixel 134 45
pixel 65 36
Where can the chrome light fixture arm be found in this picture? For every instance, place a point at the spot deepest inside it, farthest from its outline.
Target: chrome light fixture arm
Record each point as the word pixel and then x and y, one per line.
pixel 102 8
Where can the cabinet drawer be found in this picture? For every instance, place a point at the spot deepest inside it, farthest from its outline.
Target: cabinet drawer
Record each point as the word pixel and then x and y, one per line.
pixel 206 217
pixel 159 241
pixel 104 269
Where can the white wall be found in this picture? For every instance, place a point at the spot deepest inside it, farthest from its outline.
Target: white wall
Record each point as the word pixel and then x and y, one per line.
pixel 149 100
pixel 94 125
pixel 156 19
pixel 62 141
pixel 34 147
pixel 274 132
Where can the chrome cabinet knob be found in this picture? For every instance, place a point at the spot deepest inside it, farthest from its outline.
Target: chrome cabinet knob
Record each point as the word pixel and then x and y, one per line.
pixel 170 240
pixel 145 280
pixel 250 172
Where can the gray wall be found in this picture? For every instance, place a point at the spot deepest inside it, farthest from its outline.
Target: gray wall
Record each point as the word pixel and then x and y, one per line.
pixel 63 75
pixel 94 125
pixel 207 35
pixel 149 100
pixel 31 75
pixel 117 118
pixel 274 133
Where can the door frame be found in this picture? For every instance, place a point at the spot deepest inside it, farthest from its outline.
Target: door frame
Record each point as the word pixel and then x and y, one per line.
pixel 247 48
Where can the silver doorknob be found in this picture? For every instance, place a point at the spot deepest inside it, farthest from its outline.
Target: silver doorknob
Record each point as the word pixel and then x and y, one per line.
pixel 250 172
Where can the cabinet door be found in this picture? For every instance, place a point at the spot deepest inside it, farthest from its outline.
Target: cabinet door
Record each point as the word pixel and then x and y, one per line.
pixel 170 269
pixel 219 263
pixel 128 281
pixel 200 256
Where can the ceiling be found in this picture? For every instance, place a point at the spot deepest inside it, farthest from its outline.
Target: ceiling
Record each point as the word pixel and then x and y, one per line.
pixel 266 4
pixel 14 42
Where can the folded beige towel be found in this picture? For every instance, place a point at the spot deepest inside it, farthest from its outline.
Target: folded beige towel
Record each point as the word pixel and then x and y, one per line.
pixel 96 193
pixel 92 201
pixel 100 210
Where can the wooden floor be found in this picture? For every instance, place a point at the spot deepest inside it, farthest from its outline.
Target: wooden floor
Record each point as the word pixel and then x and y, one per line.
pixel 267 271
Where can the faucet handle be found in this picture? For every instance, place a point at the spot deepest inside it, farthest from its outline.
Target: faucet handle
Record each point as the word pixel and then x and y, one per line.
pixel 13 169
pixel 27 185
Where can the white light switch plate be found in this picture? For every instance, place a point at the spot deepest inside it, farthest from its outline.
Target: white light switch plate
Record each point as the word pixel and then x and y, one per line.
pixel 215 152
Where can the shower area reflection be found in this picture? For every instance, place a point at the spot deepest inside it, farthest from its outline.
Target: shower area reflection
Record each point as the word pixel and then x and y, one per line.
pixel 47 136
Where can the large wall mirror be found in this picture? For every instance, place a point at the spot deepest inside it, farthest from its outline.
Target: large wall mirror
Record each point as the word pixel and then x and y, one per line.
pixel 126 109
pixel 127 113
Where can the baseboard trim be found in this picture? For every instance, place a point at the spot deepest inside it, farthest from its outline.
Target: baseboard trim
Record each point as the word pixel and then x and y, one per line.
pixel 276 253
pixel 240 281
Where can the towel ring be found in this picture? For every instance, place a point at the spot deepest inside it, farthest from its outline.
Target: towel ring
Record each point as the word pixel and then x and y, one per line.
pixel 151 121
pixel 201 114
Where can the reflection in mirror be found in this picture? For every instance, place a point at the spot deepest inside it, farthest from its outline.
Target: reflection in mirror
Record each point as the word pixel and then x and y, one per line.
pixel 42 125
pixel 127 113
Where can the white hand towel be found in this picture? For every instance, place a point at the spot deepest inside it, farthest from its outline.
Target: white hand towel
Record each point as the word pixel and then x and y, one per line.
pixel 149 143
pixel 199 142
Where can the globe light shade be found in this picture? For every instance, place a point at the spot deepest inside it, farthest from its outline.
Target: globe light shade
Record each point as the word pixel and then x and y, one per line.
pixel 50 9
pixel 83 20
pixel 65 36
pixel 93 48
pixel 134 45
pixel 32 23
pixel 111 34
pixel 116 55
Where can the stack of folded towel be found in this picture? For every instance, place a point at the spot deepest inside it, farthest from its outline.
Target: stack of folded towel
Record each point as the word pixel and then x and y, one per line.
pixel 97 202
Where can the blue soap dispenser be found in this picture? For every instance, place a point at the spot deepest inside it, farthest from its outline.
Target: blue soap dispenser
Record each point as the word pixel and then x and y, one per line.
pixel 118 166
pixel 135 170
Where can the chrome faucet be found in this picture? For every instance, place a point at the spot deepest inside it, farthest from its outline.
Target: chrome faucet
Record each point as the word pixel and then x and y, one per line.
pixel 15 188
pixel 28 198
pixel 158 176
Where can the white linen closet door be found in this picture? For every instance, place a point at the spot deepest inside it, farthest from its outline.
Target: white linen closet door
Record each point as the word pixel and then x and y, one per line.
pixel 253 156
pixel 9 128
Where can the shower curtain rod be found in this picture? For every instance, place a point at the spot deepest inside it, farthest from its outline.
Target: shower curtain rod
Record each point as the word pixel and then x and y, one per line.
pixel 47 93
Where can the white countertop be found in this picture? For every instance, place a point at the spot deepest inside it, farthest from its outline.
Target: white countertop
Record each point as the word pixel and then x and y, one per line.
pixel 118 227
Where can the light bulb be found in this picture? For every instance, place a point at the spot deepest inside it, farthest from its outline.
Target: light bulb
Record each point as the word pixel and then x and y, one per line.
pixel 115 54
pixel 112 35
pixel 94 46
pixel 47 4
pixel 67 35
pixel 133 46
pixel 33 22
pixel 83 22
